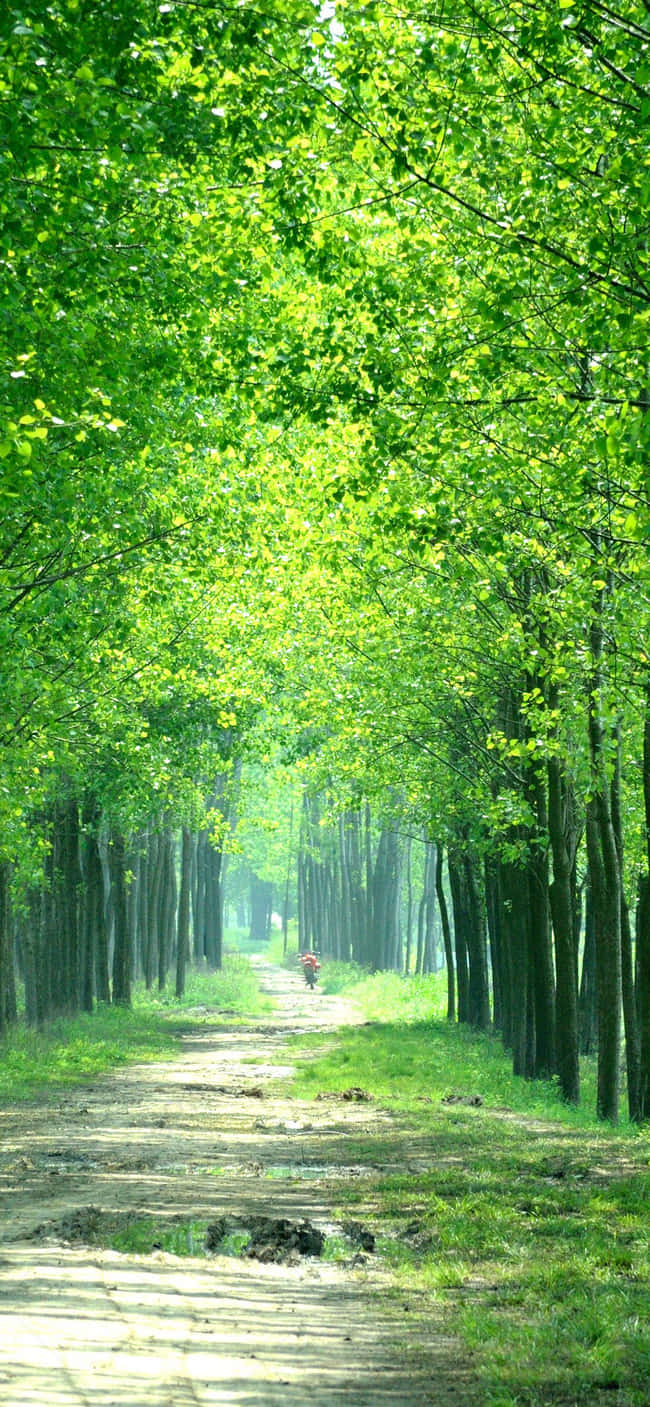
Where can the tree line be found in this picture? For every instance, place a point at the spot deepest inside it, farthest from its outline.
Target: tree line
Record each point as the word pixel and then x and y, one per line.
pixel 324 433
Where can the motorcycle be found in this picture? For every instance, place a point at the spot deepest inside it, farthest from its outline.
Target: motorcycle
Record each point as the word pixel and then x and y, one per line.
pixel 311 968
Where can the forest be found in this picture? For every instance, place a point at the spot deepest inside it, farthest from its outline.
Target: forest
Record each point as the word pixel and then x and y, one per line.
pixel 324 454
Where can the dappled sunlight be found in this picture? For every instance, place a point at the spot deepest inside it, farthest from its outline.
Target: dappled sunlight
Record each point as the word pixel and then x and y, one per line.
pixel 171 1147
pixel 106 1329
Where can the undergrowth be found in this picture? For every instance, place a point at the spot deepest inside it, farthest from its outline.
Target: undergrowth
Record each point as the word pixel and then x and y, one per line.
pixel 233 991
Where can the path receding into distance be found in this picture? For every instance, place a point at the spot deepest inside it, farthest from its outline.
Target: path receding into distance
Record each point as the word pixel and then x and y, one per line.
pixel 198 1137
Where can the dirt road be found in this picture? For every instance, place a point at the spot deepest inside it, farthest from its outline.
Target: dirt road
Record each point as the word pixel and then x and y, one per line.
pixel 201 1139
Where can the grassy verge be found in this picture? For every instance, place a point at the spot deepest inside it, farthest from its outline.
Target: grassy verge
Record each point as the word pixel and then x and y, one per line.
pixel 73 1050
pixel 527 1220
pixel 233 991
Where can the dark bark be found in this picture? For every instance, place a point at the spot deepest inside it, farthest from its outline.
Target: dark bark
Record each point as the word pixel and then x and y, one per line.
pixel 632 1040
pixel 493 909
pixel 162 918
pixel 446 936
pixel 605 888
pixel 214 909
pixel 8 1008
pixel 566 957
pixel 152 942
pixel 91 904
pixel 67 881
pixel 459 907
pixel 429 897
pixel 122 957
pixel 604 873
pixel 543 973
pixel 643 933
pixel 201 844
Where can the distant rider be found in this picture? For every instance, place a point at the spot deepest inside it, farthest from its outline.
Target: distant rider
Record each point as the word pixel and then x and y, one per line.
pixel 310 967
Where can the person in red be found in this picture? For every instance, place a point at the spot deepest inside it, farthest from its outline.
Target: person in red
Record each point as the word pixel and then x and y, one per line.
pixel 310 967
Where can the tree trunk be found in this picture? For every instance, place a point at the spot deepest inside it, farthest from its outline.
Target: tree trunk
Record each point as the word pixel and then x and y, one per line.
pixel 456 883
pixel 493 909
pixel 605 888
pixel 122 963
pixel 516 931
pixel 543 973
pixel 214 909
pixel 446 936
pixel 409 908
pixel 261 909
pixel 632 1041
pixel 92 903
pixel 8 1009
pixel 183 933
pixel 566 958
pixel 643 933
pixel 604 873
pixel 587 1001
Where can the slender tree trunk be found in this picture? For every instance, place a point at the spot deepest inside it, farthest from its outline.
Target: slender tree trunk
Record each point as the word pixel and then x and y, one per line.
pixel 543 985
pixel 587 1002
pixel 409 909
pixel 632 1040
pixel 67 891
pixel 162 924
pixel 122 961
pixel 8 1009
pixel 200 917
pixel 643 933
pixel 370 916
pixel 183 935
pixel 566 958
pixel 287 885
pixel 604 872
pixel 455 869
pixel 144 897
pixel 429 954
pixel 134 866
pixel 214 909
pixel 493 909
pixel 446 936
pixel 516 925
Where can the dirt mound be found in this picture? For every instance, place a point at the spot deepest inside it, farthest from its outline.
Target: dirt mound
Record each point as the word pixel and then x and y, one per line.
pixel 269 1238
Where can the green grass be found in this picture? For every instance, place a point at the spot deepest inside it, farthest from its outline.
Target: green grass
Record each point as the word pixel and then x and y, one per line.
pixel 70 1051
pixel 233 990
pixel 385 995
pixel 526 1220
pixel 143 1236
pixel 73 1050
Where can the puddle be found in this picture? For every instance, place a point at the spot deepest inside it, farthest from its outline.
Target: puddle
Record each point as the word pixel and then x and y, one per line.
pixel 305 1172
pixel 255 1237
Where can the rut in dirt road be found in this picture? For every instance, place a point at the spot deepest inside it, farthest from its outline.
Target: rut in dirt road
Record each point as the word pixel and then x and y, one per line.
pixel 204 1141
